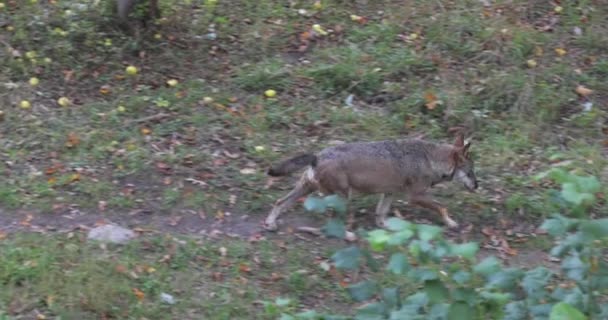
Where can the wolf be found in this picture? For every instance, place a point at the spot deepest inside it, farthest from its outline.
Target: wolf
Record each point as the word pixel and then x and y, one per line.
pixel 409 166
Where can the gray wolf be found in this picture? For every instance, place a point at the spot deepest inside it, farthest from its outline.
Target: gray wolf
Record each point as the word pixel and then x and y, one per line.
pixel 408 166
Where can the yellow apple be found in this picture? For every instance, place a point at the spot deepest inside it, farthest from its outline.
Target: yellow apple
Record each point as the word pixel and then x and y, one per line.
pixel 131 70
pixel 270 93
pixel 63 101
pixel 24 104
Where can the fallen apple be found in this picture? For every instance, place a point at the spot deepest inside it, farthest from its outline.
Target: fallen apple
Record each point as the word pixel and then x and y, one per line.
pixel 131 70
pixel 24 104
pixel 63 101
pixel 270 93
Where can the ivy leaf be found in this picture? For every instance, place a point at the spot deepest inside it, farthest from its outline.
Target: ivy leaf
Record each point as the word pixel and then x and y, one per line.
pixel 400 237
pixel 564 311
pixel 466 250
pixel 428 232
pixel 334 228
pixel 282 302
pixel 573 296
pixel 594 229
pixel 371 311
pixel 575 268
pixel 439 311
pixel 378 239
pixel 589 184
pixel 435 290
pixel 515 310
pixel 555 227
pixel 336 202
pixel 467 295
pixel 347 258
pixel 315 204
pixel 534 282
pixel 460 310
pixel 540 311
pixel 422 274
pixel 363 290
pixel 396 224
pixel 504 279
pixel 496 297
pixel 487 266
pixel 461 276
pixel 411 308
pixel 571 193
pixel 398 263
pixel 390 296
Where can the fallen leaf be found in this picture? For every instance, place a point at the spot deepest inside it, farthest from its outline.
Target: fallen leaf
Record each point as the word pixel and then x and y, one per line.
pixel 247 171
pixel 488 231
pixel 431 101
pixel 244 268
pixel 105 89
pixel 583 91
pixel 139 294
pixel 75 177
pixel 560 51
pixel 145 131
pixel 26 221
pixel 175 220
pixel 121 269
pixel 72 140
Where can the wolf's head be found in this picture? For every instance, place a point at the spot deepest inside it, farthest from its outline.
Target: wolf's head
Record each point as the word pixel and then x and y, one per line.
pixel 464 168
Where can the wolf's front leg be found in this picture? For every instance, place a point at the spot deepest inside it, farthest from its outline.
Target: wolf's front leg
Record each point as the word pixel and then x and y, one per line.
pixel 428 203
pixel 382 209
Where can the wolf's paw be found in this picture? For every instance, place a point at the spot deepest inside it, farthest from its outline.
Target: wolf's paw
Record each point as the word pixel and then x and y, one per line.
pixel 381 223
pixel 270 226
pixel 451 223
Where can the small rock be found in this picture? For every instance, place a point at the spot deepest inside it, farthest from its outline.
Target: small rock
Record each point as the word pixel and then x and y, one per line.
pixel 167 298
pixel 111 233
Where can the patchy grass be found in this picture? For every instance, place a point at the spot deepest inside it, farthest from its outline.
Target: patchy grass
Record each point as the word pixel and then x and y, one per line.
pixel 128 144
pixel 61 275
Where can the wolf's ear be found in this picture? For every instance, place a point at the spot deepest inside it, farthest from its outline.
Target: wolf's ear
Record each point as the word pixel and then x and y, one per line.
pixel 465 149
pixel 459 142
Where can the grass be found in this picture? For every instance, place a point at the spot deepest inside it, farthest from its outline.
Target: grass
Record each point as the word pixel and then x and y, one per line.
pixel 130 143
pixel 61 275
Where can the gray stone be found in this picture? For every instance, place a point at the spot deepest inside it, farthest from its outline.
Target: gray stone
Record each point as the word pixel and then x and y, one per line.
pixel 111 233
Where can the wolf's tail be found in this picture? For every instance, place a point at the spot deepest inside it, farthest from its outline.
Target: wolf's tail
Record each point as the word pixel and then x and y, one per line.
pixel 290 165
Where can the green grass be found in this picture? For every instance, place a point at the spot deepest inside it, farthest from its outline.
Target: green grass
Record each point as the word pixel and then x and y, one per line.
pixel 64 276
pixel 473 59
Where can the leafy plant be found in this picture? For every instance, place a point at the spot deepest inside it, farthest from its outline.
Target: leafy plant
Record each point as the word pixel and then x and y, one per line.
pixel 449 282
pixel 577 191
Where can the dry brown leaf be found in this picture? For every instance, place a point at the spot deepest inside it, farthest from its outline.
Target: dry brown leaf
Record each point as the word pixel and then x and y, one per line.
pixel 139 294
pixel 583 91
pixel 560 51
pixel 72 140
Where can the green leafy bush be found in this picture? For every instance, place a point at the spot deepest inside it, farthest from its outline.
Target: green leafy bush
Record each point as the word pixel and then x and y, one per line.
pixel 433 278
pixel 577 191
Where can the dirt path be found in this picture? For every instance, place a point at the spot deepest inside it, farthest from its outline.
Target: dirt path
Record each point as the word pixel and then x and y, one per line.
pixel 247 226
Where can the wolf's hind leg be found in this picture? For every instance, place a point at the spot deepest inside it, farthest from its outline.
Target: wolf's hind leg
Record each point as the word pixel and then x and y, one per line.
pixel 303 188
